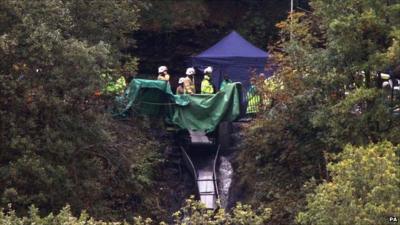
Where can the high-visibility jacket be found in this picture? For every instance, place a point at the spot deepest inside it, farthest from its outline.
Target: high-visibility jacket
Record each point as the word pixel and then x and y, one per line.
pixel 188 85
pixel 165 77
pixel 253 100
pixel 206 86
pixel 224 82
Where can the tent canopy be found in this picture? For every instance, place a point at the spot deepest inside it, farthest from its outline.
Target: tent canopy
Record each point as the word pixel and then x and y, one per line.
pixel 234 56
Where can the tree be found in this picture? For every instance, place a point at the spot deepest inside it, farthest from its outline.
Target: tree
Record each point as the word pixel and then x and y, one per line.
pixel 172 31
pixel 364 188
pixel 358 33
pixel 327 102
pixel 57 145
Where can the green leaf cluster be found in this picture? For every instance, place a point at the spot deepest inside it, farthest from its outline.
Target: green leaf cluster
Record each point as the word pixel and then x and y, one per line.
pixel 363 189
pixel 57 144
pixel 193 213
pixel 328 59
pixel 64 217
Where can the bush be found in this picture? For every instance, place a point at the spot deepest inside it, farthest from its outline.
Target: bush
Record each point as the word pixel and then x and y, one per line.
pixel 364 189
pixel 193 213
pixel 64 217
pixel 57 145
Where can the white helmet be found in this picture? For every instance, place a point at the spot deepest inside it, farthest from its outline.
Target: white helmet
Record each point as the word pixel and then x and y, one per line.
pixel 190 71
pixel 208 70
pixel 162 69
pixel 181 80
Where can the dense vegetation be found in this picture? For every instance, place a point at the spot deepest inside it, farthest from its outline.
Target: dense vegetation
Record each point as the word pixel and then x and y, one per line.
pixel 329 100
pixel 363 188
pixel 324 149
pixel 192 213
pixel 57 143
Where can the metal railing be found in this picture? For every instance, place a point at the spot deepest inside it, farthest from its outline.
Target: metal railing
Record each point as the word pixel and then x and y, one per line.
pixel 189 163
pixel 215 178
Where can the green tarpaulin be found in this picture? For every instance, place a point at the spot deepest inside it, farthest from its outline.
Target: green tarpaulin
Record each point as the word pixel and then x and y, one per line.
pixel 191 112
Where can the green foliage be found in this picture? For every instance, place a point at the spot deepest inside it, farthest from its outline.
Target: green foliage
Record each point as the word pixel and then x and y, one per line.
pixel 57 143
pixel 64 217
pixel 195 213
pixel 318 65
pixel 326 102
pixel 279 153
pixel 360 34
pixel 364 116
pixel 46 81
pixel 104 21
pixel 168 15
pixel 364 188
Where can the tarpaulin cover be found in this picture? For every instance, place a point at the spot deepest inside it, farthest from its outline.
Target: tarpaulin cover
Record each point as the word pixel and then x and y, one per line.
pixel 191 112
pixel 234 56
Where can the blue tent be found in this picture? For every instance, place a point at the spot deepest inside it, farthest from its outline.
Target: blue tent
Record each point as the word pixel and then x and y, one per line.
pixel 234 56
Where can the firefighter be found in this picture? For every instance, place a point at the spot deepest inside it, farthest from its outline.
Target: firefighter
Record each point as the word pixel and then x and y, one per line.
pixel 188 83
pixel 180 90
pixel 206 85
pixel 163 73
pixel 253 98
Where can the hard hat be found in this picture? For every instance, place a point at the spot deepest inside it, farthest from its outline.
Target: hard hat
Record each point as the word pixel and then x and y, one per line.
pixel 208 70
pixel 162 69
pixel 181 80
pixel 190 71
pixel 385 76
pixel 385 84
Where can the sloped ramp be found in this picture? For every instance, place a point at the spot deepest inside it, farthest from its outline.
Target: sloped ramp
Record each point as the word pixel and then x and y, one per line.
pixel 206 187
pixel 203 168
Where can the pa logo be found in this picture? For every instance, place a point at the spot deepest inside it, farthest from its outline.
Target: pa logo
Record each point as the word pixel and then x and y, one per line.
pixel 393 219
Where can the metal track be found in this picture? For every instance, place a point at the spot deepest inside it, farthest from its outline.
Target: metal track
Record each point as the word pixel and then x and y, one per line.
pixel 204 176
pixel 188 163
